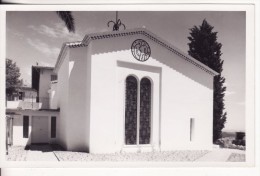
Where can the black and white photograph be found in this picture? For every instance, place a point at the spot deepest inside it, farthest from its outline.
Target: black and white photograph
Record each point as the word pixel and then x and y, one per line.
pixel 128 86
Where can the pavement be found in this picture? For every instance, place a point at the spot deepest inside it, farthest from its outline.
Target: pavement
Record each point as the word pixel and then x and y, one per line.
pixel 46 153
pixel 41 153
pixel 219 155
pixel 41 156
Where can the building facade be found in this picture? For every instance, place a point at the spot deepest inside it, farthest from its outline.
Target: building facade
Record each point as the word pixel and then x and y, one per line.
pixel 30 118
pixel 129 91
pixel 132 91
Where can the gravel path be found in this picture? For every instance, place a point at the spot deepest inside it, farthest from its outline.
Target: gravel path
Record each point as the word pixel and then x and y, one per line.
pixel 34 153
pixel 237 157
pixel 54 153
pixel 149 156
pixel 16 153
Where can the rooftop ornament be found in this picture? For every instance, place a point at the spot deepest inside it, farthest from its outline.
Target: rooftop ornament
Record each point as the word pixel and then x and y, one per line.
pixel 117 24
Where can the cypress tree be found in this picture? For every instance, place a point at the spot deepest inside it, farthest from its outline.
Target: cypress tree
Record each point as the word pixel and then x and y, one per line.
pixel 204 47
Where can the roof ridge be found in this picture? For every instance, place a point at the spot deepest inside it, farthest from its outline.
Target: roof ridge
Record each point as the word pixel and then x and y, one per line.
pixel 102 35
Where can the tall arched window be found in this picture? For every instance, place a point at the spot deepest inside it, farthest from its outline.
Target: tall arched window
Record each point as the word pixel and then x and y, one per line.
pixel 145 111
pixel 137 111
pixel 131 111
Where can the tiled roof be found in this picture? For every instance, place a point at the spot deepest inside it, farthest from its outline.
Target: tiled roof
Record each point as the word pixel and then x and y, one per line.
pixel 99 36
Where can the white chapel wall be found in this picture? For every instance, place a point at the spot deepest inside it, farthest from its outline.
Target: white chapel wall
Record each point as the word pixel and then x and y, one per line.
pixel 62 94
pixel 74 99
pixel 77 126
pixel 186 92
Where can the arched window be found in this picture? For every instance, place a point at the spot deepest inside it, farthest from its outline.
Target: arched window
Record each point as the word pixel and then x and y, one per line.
pixel 137 111
pixel 131 110
pixel 145 111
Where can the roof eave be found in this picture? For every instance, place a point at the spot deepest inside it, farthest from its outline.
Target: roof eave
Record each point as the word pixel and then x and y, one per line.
pixel 89 37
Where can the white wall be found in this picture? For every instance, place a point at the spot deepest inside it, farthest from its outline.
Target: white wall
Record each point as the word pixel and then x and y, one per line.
pixel 30 96
pixel 13 104
pixel 18 139
pixel 44 86
pixel 62 94
pixel 74 99
pixel 93 112
pixel 185 92
pixel 53 95
pixel 77 127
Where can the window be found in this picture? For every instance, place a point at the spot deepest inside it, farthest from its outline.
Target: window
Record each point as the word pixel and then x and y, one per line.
pixel 25 126
pixel 53 127
pixel 21 95
pixel 145 111
pixel 54 77
pixel 137 111
pixel 131 111
pixel 191 129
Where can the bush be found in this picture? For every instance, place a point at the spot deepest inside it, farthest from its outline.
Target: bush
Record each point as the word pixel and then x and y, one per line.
pixel 229 142
pixel 240 135
pixel 239 142
pixel 220 142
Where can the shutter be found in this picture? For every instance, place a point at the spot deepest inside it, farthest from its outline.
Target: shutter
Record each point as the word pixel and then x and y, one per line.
pixel 53 127
pixel 25 126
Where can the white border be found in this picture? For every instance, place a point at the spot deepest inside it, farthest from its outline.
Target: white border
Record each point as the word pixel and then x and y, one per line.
pixel 171 168
pixel 103 2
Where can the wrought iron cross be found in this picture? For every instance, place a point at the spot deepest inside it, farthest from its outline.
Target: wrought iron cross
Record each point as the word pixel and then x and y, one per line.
pixel 116 24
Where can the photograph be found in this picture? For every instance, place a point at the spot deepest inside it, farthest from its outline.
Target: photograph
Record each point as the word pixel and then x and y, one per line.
pixel 125 86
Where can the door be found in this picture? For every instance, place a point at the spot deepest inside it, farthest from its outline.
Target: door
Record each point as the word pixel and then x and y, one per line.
pixel 40 129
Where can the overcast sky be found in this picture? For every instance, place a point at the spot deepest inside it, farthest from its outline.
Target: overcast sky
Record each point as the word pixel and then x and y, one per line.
pixel 38 36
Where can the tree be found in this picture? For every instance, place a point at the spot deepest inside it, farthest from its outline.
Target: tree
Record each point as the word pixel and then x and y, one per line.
pixel 67 18
pixel 12 77
pixel 204 47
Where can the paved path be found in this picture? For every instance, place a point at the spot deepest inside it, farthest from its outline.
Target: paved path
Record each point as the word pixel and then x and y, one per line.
pixel 40 156
pixel 219 155
pixel 41 153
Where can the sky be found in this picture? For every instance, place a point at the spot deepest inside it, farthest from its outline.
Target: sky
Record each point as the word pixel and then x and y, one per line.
pixel 36 37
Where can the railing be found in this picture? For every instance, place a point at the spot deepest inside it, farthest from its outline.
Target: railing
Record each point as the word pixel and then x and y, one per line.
pixel 29 103
pixel 45 102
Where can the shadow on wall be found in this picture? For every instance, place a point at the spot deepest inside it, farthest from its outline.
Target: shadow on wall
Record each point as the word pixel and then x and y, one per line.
pixel 158 53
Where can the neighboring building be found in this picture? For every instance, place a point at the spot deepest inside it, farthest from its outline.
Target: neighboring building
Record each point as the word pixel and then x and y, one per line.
pixel 127 91
pixel 41 79
pixel 23 98
pixel 30 119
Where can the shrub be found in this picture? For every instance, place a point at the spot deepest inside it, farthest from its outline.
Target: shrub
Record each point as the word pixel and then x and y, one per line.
pixel 229 142
pixel 239 142
pixel 220 142
pixel 240 135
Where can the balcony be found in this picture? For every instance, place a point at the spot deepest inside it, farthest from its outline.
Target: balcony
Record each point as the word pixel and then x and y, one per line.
pixel 33 103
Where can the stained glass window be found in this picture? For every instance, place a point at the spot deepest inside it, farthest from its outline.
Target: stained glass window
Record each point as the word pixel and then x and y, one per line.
pixel 131 111
pixel 145 111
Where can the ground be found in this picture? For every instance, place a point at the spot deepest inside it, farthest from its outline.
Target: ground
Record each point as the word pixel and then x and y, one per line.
pixel 56 153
